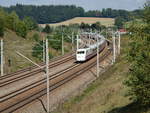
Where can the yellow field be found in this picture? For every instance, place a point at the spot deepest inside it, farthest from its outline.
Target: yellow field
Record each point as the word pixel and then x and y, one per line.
pixel 88 20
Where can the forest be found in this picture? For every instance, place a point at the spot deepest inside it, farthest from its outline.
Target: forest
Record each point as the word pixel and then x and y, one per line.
pixel 53 14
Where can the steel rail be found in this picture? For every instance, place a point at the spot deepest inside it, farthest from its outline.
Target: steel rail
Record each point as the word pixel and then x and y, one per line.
pixel 57 83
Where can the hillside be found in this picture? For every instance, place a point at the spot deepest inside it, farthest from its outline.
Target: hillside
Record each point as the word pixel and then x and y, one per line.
pixel 13 43
pixel 88 20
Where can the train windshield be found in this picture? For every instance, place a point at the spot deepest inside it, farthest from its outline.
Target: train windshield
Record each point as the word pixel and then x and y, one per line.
pixel 80 52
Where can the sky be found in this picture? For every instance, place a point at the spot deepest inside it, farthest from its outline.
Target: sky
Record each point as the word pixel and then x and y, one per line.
pixel 86 4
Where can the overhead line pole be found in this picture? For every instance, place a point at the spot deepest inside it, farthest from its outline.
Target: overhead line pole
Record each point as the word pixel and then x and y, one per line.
pixel 46 71
pixel 47 76
pixel 72 41
pixel 119 42
pixel 62 42
pixel 89 39
pixel 106 33
pixel 97 57
pixel 77 42
pixel 114 48
pixel 2 63
pixel 43 50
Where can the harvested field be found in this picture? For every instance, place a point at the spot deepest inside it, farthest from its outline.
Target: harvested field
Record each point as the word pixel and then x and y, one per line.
pixel 88 20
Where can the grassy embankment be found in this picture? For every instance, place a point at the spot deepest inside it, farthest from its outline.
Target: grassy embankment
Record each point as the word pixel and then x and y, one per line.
pixel 107 94
pixel 13 43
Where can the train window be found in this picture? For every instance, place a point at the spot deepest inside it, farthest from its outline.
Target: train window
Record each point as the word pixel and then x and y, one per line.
pixel 80 52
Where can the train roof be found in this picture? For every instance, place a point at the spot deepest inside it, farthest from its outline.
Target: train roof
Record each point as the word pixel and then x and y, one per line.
pixel 82 49
pixel 93 46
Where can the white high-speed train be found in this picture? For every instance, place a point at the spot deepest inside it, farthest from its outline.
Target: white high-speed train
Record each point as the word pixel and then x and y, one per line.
pixel 87 53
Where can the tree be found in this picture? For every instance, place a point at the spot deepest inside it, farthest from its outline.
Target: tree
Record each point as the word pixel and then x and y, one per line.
pixel 1 27
pixel 119 22
pixel 94 13
pixel 84 26
pixel 47 29
pixel 30 23
pixel 139 57
pixel 47 14
pixel 21 29
pixel 38 50
pixel 11 20
pixel 96 26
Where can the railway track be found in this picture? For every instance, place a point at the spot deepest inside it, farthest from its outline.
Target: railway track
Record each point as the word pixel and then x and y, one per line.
pixel 17 99
pixel 10 79
pixel 25 88
pixel 59 58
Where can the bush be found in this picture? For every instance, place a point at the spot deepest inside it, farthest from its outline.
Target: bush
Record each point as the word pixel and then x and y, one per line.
pixel 21 29
pixel 36 37
pixel 55 42
pixel 38 51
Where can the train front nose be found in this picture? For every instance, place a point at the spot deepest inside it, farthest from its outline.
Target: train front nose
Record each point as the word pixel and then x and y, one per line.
pixel 80 55
pixel 80 58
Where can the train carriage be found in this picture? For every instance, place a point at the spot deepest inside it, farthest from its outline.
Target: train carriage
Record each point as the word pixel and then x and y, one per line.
pixel 87 53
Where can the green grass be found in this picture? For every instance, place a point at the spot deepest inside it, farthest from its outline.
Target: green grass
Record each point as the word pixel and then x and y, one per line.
pixel 107 94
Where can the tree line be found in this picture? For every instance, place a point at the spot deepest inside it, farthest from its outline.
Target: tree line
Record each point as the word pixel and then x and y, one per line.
pixel 53 14
pixel 47 14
